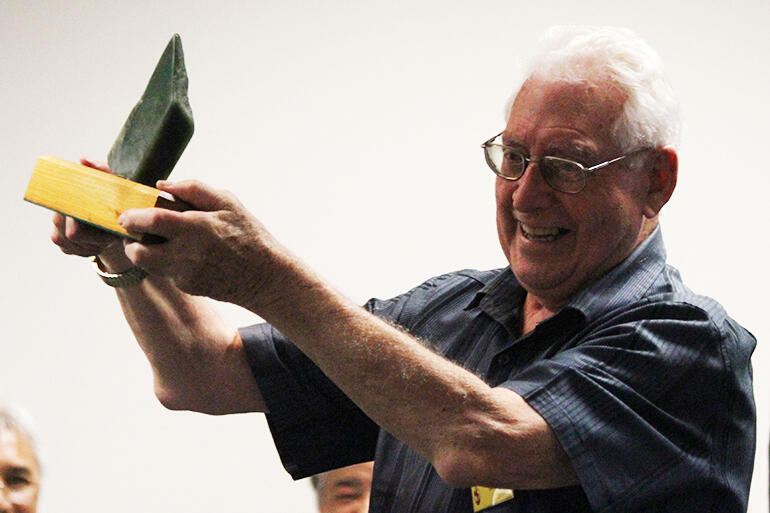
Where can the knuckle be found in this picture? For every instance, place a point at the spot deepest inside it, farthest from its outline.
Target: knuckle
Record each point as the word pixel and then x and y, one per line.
pixel 58 219
pixel 57 238
pixel 153 215
pixel 141 259
pixel 195 186
pixel 132 250
pixel 156 217
pixel 72 229
pixel 229 199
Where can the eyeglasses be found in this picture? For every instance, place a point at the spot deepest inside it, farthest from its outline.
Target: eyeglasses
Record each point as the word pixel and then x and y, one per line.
pixel 560 174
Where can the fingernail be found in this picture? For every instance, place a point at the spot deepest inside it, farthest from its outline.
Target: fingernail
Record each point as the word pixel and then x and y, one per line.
pixel 121 219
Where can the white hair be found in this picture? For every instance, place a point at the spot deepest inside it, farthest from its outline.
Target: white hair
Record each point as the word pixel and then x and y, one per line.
pixel 17 419
pixel 602 55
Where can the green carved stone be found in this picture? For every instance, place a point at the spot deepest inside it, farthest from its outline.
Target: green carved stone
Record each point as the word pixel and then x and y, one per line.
pixel 159 126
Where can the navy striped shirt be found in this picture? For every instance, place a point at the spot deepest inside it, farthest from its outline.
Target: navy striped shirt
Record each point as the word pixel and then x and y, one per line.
pixel 646 385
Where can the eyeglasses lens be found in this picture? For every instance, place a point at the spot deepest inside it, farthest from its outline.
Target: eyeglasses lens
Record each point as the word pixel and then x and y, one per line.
pixel 562 175
pixel 504 162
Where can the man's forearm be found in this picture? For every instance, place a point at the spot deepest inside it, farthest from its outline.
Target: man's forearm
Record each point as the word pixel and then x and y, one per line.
pixel 473 434
pixel 198 362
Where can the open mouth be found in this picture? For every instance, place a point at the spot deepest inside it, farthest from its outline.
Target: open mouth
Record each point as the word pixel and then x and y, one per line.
pixel 542 234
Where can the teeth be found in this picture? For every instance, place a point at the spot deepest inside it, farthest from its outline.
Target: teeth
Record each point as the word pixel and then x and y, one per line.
pixel 540 232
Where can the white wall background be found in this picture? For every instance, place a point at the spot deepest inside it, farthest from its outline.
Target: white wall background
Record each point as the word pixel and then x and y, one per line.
pixel 352 129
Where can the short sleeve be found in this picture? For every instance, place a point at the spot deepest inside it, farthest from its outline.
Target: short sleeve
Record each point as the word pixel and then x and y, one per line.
pixel 648 405
pixel 314 425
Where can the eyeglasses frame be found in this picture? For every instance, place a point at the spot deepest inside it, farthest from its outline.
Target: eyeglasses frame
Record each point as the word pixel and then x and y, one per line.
pixel 587 171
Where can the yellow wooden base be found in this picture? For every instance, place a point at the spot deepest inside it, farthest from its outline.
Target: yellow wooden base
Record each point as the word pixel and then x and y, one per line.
pixel 90 195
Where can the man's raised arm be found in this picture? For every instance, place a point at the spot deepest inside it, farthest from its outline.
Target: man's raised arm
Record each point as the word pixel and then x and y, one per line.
pixel 197 361
pixel 472 433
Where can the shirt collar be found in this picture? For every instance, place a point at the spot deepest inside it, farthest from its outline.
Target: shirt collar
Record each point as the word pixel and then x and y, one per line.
pixel 625 283
pixel 502 299
pixel 503 296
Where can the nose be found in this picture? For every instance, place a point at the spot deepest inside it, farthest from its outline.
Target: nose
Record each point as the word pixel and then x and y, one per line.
pixel 531 192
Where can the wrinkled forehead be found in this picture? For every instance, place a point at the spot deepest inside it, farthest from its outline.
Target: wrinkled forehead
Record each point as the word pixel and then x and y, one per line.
pixel 590 107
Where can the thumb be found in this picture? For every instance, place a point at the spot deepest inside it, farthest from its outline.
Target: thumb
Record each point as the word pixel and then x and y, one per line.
pixel 200 195
pixel 95 164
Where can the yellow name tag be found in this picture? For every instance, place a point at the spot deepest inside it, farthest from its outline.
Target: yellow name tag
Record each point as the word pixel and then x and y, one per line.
pixel 484 497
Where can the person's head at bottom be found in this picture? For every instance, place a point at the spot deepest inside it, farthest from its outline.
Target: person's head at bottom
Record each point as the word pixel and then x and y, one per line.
pixel 19 465
pixel 344 490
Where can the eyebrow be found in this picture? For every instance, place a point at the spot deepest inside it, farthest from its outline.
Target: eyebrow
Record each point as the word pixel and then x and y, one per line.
pixel 580 151
pixel 508 141
pixel 577 150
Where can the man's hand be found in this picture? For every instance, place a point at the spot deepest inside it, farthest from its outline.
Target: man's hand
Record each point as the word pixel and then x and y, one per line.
pixel 219 249
pixel 185 340
pixel 76 238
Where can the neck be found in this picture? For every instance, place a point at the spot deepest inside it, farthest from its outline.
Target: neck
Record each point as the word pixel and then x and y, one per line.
pixel 537 309
pixel 648 226
pixel 535 312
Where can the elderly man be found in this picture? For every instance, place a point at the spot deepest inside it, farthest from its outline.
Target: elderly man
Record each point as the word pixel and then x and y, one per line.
pixel 584 376
pixel 344 490
pixel 19 466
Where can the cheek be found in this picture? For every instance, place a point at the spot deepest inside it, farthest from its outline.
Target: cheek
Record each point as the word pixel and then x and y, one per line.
pixel 609 227
pixel 503 207
pixel 504 190
pixel 504 200
pixel 506 228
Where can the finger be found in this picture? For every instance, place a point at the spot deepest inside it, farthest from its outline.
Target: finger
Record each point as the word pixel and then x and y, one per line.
pixel 58 237
pixel 200 195
pixel 96 164
pixel 58 220
pixel 153 258
pixel 86 235
pixel 68 245
pixel 155 221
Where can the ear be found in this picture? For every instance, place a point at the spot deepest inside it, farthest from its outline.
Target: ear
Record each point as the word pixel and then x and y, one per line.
pixel 662 175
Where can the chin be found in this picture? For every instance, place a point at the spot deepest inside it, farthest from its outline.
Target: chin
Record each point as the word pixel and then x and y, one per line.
pixel 540 282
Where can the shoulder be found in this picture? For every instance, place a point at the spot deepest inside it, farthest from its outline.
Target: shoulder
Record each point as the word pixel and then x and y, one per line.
pixel 675 327
pixel 671 299
pixel 463 279
pixel 453 290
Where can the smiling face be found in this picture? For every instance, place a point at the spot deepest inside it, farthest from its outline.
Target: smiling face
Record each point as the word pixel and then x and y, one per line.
pixel 19 473
pixel 556 243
